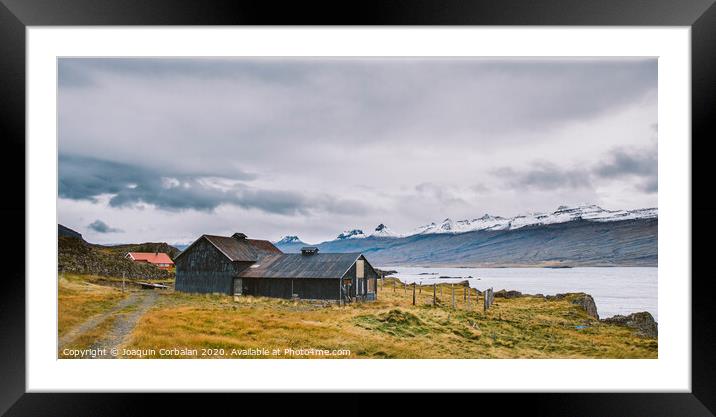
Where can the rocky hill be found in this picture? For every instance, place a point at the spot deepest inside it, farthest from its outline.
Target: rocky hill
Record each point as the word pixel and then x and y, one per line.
pixel 142 247
pixel 75 255
pixel 66 231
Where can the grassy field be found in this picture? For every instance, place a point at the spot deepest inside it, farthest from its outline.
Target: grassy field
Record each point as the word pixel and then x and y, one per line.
pixel 80 297
pixel 391 327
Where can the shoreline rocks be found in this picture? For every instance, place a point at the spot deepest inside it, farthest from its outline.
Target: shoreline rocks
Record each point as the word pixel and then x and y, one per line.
pixel 384 274
pixel 507 294
pixel 581 299
pixel 643 322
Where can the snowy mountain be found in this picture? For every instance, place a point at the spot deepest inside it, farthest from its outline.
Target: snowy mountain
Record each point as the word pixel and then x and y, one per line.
pixel 290 244
pixel 591 212
pixel 563 214
pixel 583 235
pixel 351 234
pixel 383 231
pixel 289 239
pixel 486 222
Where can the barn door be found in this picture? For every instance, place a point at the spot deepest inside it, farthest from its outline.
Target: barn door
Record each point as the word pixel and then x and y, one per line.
pixel 238 290
pixel 360 278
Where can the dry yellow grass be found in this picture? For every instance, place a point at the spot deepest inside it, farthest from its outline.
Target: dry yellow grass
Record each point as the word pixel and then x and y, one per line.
pixel 80 298
pixel 88 339
pixel 391 327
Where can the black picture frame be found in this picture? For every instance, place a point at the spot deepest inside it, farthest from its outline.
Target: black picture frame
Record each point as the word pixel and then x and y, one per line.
pixel 16 15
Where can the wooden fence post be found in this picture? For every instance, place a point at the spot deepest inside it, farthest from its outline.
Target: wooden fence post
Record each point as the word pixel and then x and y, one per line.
pixel 420 291
pixel 413 293
pixel 468 298
pixel 489 297
pixel 452 287
pixel 434 293
pixel 122 281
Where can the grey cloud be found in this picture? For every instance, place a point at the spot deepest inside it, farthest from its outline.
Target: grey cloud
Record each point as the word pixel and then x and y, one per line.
pixel 629 162
pixel 317 129
pixel 309 99
pixel 101 227
pixel 544 176
pixel 619 163
pixel 650 186
pixel 85 72
pixel 528 94
pixel 480 188
pixel 445 195
pixel 427 187
pixel 83 178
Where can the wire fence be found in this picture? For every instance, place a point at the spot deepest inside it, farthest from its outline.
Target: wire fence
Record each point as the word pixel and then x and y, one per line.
pixel 456 296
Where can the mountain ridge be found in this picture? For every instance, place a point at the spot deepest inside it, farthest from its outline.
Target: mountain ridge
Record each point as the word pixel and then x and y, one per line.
pixel 570 236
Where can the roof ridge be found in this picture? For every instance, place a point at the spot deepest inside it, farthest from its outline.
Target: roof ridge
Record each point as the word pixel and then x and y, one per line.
pixel 296 265
pixel 207 237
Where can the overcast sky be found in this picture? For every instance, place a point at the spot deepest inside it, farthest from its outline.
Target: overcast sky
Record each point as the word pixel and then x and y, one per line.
pixel 169 149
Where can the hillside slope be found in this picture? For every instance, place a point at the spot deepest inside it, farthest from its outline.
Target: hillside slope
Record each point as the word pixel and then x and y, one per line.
pixel 75 255
pixel 573 243
pixel 142 247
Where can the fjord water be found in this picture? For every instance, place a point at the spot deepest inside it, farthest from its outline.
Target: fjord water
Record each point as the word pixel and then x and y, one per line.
pixel 616 290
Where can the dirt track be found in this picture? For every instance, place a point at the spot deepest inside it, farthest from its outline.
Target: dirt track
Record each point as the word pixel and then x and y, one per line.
pixel 126 315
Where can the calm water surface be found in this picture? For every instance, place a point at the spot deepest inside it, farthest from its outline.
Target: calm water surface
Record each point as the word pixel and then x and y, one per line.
pixel 616 290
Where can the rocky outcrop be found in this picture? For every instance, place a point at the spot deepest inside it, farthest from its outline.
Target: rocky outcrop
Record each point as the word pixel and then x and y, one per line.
pixel 585 301
pixel 643 322
pixel 79 257
pixel 384 274
pixel 64 231
pixel 122 250
pixel 508 294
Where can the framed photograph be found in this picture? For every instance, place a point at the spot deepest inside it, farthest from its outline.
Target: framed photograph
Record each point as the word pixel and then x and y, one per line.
pixel 401 202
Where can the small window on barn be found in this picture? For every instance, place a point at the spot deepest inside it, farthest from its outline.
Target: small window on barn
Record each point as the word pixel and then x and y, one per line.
pixel 360 269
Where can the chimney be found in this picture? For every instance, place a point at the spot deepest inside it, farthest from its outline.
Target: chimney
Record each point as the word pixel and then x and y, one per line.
pixel 239 236
pixel 309 250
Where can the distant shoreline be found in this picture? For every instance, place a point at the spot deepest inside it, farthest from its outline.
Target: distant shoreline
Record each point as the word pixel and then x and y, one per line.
pixel 601 283
pixel 384 267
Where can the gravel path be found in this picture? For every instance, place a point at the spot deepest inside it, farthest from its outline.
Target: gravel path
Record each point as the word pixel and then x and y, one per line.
pixel 124 325
pixel 96 320
pixel 124 322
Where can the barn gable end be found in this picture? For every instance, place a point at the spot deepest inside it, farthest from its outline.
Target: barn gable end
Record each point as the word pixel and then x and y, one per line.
pixel 204 268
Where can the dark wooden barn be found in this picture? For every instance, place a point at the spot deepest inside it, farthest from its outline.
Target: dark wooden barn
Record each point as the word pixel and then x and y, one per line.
pixel 240 266
pixel 211 263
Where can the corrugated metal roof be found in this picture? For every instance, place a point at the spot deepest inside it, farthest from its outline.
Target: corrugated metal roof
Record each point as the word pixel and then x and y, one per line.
pixel 296 265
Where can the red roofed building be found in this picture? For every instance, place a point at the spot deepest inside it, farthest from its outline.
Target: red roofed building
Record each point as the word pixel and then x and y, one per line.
pixel 159 259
